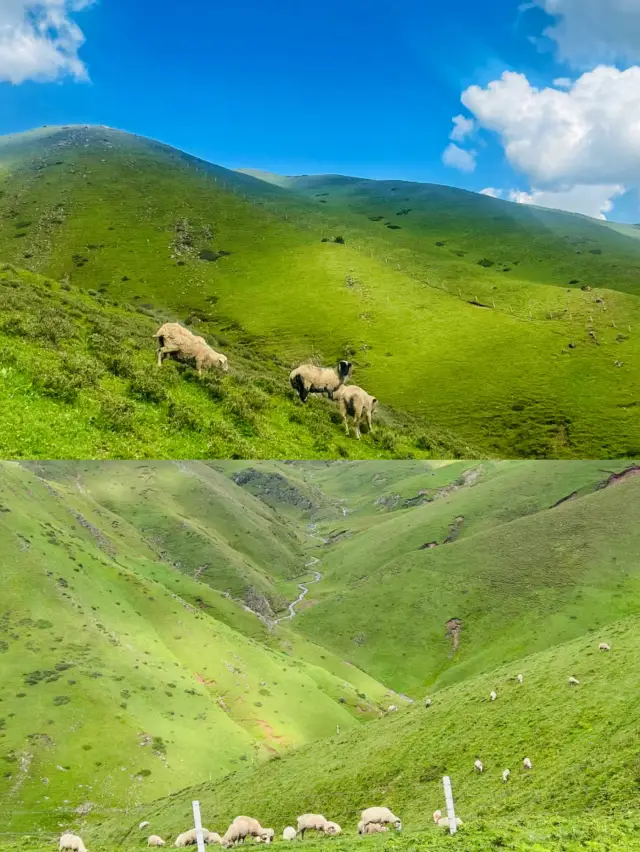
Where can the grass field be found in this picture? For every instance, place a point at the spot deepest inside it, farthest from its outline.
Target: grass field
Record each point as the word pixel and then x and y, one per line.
pixel 484 328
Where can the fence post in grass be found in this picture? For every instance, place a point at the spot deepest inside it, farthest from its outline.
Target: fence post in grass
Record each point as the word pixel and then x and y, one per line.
pixel 198 825
pixel 448 797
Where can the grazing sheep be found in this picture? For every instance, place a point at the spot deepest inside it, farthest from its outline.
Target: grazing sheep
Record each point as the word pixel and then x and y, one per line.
pixel 479 766
pixel 155 840
pixel 181 344
pixel 289 833
pixel 212 837
pixel 437 815
pixel 357 403
pixel 380 816
pixel 492 695
pixel 604 647
pixel 332 828
pixel 521 678
pixel 527 763
pixel 506 774
pixel 443 822
pixel 392 708
pixel 311 822
pixel 427 702
pixel 144 824
pixel 72 842
pixel 573 681
pixel 189 838
pixel 307 378
pixel 371 828
pixel 243 827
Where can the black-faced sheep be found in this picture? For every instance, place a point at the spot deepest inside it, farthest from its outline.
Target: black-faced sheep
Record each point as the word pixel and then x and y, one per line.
pixel 71 842
pixel 179 343
pixel 357 403
pixel 381 816
pixel 307 378
pixel 155 840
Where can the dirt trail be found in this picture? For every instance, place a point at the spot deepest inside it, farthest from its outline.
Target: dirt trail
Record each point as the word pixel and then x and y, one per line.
pixel 304 590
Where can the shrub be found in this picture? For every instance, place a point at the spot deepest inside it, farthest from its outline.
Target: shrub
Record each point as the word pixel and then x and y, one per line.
pixel 147 388
pixel 116 414
pixel 339 240
pixel 485 262
pixel 184 416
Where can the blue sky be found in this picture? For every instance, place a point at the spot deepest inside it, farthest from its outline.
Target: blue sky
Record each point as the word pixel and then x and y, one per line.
pixel 365 88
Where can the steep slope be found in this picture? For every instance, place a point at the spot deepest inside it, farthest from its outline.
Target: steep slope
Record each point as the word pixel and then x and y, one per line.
pixel 514 360
pixel 126 676
pixel 581 792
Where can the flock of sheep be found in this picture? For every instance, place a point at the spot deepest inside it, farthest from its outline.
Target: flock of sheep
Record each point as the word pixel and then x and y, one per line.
pixel 372 821
pixel 177 342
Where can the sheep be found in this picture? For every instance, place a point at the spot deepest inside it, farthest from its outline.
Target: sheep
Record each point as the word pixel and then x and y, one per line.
pixel 307 378
pixel 155 840
pixel 381 816
pixel 527 763
pixel 573 681
pixel 444 822
pixel 427 702
pixel 479 766
pixel 243 827
pixel 311 822
pixel 604 647
pixel 181 344
pixel 189 838
pixel 521 678
pixel 144 824
pixel 371 828
pixel 391 708
pixel 72 842
pixel 356 402
pixel 437 815
pixel 506 774
pixel 289 833
pixel 492 695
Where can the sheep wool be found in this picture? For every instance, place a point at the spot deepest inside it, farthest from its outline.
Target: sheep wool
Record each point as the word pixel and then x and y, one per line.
pixel 155 840
pixel 527 763
pixel 289 833
pixel 505 775
pixel 72 842
pixel 308 378
pixel 311 822
pixel 604 647
pixel 356 403
pixel 179 343
pixel 443 822
pixel 479 765
pixel 381 816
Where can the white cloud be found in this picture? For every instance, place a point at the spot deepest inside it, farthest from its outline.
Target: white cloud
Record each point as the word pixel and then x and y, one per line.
pixel 489 190
pixel 462 127
pixel 40 41
pixel 592 201
pixel 590 31
pixel 458 158
pixel 588 134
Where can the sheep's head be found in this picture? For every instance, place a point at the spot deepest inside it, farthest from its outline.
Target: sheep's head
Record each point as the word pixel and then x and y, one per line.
pixel 344 369
pixel 333 828
pixel 397 825
pixel 267 835
pixel 437 815
pixel 374 402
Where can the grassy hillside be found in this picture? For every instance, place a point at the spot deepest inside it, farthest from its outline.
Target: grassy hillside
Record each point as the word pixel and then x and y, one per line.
pixel 123 651
pixel 510 328
pixel 581 792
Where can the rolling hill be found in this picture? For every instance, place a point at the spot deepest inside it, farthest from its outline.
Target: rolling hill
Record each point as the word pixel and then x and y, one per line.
pixel 484 328
pixel 148 600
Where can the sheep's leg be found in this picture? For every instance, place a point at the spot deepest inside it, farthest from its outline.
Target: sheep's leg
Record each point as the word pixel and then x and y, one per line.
pixel 369 423
pixel 159 357
pixel 357 417
pixel 343 414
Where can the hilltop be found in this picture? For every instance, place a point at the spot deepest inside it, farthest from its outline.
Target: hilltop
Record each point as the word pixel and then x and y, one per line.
pixel 119 575
pixel 484 328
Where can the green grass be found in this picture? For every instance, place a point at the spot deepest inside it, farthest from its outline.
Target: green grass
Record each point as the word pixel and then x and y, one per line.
pixel 465 359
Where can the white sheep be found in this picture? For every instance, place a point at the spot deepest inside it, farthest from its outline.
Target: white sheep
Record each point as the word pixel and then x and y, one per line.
pixel 72 842
pixel 492 695
pixel 521 678
pixel 479 766
pixel 214 837
pixel 332 828
pixel 427 702
pixel 144 824
pixel 443 822
pixel 307 378
pixel 357 403
pixel 311 822
pixel 371 828
pixel 155 840
pixel 289 833
pixel 437 815
pixel 181 344
pixel 392 708
pixel 573 681
pixel 381 816
pixel 604 647
pixel 527 763
pixel 506 774
pixel 189 838
pixel 243 827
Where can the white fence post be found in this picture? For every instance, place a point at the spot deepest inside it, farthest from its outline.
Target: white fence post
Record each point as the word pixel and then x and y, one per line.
pixel 448 797
pixel 198 825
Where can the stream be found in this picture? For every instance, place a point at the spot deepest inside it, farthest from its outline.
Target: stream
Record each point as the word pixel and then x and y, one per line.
pixel 304 590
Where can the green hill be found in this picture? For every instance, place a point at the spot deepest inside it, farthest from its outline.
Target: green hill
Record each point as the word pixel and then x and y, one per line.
pixel 483 327
pixel 148 601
